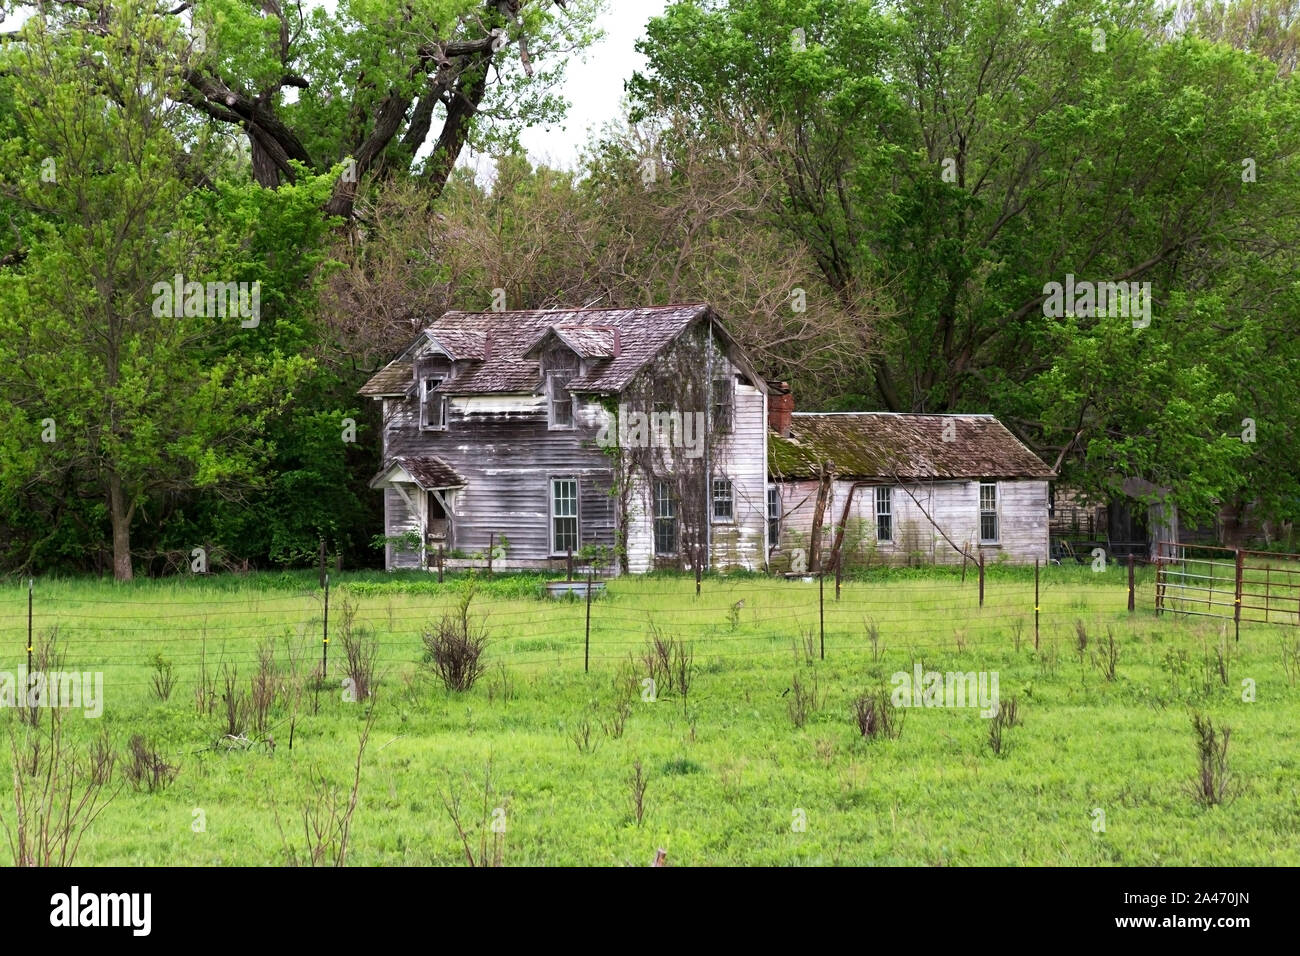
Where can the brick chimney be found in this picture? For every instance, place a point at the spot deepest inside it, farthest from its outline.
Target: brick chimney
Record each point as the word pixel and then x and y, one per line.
pixel 780 408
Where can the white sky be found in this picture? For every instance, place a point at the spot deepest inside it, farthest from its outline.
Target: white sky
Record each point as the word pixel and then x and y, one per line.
pixel 594 88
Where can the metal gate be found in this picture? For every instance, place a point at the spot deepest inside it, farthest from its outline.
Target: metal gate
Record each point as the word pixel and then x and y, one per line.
pixel 1228 583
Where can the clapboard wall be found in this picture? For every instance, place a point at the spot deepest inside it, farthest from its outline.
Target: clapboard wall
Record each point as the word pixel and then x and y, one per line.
pixel 917 509
pixel 503 447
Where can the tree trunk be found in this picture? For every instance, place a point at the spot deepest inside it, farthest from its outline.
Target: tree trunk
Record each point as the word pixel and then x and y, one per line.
pixel 819 513
pixel 121 516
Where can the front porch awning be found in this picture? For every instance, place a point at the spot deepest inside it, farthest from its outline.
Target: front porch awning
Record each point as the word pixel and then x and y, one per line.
pixel 427 471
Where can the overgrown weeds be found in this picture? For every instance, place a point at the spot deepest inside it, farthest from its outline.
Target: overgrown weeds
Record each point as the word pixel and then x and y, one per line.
pixel 483 841
pixel 1214 783
pixel 57 799
pixel 803 699
pixel 327 814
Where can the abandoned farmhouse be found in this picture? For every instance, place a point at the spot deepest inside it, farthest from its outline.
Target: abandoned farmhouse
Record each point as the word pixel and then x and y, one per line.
pixel 644 438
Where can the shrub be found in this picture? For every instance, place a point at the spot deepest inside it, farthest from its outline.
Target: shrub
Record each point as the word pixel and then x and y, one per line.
pixel 147 769
pixel 455 645
pixel 163 678
pixel 877 716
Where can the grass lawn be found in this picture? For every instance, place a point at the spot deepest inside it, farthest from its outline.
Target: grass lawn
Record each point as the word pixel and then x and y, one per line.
pixel 728 776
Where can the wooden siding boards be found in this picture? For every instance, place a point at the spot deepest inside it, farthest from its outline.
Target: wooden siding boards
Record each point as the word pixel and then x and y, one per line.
pixel 503 447
pixel 741 455
pixel 953 506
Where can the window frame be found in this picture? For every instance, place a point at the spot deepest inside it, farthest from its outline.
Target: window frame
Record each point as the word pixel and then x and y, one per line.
pixel 714 518
pixel 724 413
pixel 773 517
pixel 887 514
pixel 656 517
pixel 428 389
pixel 563 377
pixel 993 513
pixel 555 516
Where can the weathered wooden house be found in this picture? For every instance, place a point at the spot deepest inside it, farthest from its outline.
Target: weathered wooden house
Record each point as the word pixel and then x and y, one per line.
pixel 638 434
pixel 879 487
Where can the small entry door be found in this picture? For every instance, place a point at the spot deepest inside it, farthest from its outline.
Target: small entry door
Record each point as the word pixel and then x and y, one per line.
pixel 437 524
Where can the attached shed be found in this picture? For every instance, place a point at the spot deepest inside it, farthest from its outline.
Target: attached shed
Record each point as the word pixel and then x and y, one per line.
pixel 902 489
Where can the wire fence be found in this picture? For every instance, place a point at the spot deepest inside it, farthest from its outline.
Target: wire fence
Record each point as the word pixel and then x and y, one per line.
pixel 196 629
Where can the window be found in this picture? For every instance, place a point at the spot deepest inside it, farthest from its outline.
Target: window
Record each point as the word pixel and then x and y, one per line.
pixel 559 400
pixel 884 514
pixel 724 508
pixel 665 518
pixel 564 515
pixel 723 394
pixel 773 517
pixel 988 512
pixel 433 407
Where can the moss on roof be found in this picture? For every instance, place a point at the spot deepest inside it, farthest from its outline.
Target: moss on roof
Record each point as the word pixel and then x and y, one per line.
pixel 886 446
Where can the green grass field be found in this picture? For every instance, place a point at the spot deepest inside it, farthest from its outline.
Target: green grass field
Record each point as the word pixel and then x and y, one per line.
pixel 728 777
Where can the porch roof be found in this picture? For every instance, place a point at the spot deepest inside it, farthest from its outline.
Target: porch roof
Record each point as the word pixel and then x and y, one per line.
pixel 427 471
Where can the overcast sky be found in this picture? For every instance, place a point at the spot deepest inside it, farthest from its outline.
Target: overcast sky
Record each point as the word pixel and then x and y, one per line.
pixel 595 88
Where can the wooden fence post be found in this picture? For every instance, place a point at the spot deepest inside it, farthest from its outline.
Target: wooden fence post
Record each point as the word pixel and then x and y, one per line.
pixel 1236 611
pixel 569 564
pixel 440 561
pixel 697 570
pixel 491 547
pixel 31 583
pixel 322 561
pixel 1160 577
pixel 981 579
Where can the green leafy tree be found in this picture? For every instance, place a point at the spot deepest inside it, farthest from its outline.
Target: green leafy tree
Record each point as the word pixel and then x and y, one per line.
pixel 103 377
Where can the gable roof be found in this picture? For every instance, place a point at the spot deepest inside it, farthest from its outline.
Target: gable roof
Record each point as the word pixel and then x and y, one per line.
pixel 499 347
pixel 891 446
pixel 428 471
pixel 586 341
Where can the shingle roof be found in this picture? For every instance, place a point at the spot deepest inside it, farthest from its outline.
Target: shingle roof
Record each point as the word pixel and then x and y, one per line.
pixel 497 375
pixel 393 379
pixel 429 472
pixel 589 343
pixel 460 343
pixel 887 446
pixel 510 335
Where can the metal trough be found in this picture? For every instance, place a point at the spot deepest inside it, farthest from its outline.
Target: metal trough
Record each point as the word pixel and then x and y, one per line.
pixel 559 589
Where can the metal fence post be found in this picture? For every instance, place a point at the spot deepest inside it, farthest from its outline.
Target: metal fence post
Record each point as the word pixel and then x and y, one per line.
pixel 821 608
pixel 1131 605
pixel 1035 603
pixel 586 653
pixel 325 633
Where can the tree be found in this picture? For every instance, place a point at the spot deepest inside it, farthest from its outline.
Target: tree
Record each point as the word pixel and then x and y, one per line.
pixel 965 155
pixel 361 84
pixel 104 372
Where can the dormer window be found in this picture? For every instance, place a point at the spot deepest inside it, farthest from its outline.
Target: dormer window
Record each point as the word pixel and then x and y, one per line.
pixel 559 399
pixel 433 405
